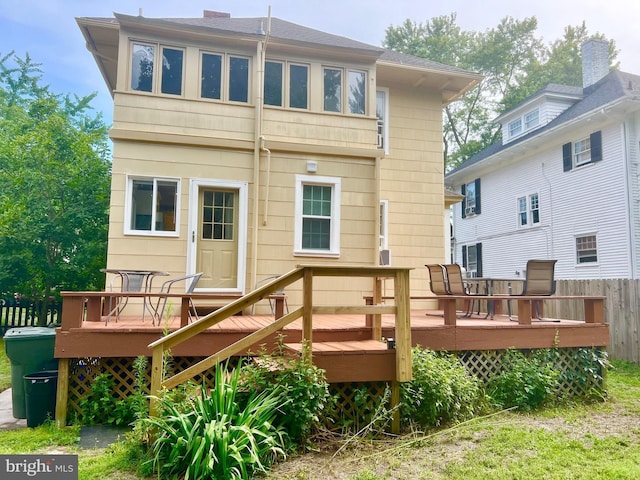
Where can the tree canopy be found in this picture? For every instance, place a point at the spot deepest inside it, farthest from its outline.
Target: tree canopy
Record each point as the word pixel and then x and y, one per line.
pixel 514 60
pixel 54 186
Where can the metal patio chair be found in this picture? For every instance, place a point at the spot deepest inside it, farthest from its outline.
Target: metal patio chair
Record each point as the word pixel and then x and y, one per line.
pixel 539 280
pixel 457 286
pixel 190 282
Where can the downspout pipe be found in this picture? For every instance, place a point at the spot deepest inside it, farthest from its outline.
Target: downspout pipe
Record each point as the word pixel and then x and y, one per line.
pixel 258 105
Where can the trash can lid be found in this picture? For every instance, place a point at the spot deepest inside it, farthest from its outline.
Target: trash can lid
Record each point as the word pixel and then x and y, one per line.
pixel 24 333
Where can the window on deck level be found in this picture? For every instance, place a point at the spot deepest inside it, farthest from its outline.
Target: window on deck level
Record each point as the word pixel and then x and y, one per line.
pixel 151 205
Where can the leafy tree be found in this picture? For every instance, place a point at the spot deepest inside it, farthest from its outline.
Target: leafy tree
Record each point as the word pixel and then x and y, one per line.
pixel 54 186
pixel 513 60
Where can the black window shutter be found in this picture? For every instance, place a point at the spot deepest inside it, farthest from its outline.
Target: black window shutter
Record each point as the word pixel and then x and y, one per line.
pixel 596 146
pixel 477 182
pixel 567 161
pixel 464 256
pixel 463 190
pixel 479 257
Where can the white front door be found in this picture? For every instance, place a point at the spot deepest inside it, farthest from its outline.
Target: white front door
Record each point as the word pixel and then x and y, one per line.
pixel 218 226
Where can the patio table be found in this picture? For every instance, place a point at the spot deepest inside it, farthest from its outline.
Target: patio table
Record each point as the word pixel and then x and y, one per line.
pixel 132 280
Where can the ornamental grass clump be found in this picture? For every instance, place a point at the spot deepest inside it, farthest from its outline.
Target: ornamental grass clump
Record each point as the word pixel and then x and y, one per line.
pixel 220 437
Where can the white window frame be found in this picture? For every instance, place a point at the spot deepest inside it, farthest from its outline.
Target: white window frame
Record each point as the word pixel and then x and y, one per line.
pixel 524 205
pixel 532 210
pixel 586 236
pixel 531 119
pixel 383 126
pixel 522 209
pixel 336 188
pixel 581 154
pixel 472 270
pixel 384 225
pixel 470 202
pixel 515 127
pixel 128 205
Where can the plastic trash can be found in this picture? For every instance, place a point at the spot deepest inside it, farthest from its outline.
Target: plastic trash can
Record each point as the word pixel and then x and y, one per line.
pixel 40 390
pixel 29 349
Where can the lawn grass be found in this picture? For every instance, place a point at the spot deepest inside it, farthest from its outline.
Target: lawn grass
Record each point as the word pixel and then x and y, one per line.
pixel 583 442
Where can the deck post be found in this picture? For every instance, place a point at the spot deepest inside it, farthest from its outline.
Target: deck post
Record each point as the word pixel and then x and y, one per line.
pixel 62 394
pixel 394 404
pixel 156 378
pixel 403 326
pixel 376 319
pixel 307 312
pixel 72 311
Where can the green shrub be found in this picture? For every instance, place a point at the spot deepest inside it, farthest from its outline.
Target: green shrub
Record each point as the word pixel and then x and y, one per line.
pixel 525 382
pixel 441 391
pixel 218 438
pixel 300 382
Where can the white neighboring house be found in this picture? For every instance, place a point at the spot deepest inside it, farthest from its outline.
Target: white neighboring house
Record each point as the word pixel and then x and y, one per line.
pixel 562 184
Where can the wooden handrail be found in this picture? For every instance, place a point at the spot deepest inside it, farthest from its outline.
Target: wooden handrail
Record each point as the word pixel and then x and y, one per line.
pixel 306 274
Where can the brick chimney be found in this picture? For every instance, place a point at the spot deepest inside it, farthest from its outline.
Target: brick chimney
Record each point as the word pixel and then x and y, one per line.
pixel 595 61
pixel 212 14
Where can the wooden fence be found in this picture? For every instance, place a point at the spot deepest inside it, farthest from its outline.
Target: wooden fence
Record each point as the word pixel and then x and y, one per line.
pixel 621 310
pixel 24 313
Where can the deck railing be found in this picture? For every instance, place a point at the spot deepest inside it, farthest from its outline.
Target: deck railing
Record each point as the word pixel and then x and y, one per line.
pixel 306 274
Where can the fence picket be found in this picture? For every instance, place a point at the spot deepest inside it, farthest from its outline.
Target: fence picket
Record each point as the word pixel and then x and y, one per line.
pixel 23 313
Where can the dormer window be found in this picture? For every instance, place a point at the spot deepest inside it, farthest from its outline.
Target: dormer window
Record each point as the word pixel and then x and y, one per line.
pixel 532 119
pixel 515 127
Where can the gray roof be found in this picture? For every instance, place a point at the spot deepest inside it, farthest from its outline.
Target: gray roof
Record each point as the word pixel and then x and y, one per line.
pixel 399 58
pixel 280 29
pixel 614 86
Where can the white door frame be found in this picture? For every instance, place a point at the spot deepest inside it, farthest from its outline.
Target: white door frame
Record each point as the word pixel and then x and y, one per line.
pixel 192 241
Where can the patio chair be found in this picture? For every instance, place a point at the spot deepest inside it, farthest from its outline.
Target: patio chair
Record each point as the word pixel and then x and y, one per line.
pixel 538 281
pixel 457 286
pixel 437 279
pixel 190 282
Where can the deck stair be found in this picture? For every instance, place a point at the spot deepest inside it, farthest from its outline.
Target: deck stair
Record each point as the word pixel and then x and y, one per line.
pixel 352 361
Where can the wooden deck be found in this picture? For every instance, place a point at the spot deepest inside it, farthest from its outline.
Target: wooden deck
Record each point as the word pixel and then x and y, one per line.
pixel 130 336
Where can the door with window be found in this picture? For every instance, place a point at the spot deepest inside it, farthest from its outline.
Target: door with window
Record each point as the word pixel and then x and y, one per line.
pixel 217 238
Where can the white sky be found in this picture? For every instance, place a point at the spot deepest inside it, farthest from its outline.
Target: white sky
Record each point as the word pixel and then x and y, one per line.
pixel 46 29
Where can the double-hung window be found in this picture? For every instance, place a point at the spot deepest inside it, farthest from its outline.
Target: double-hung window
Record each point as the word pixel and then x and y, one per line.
pixel 515 128
pixel 145 75
pixel 472 259
pixel 317 216
pixel 586 249
pixel 151 206
pixel 529 210
pixel 471 201
pixel 585 151
pixel 532 119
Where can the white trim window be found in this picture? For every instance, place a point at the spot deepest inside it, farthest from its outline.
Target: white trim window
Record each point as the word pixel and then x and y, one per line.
pixel 152 206
pixel 529 210
pixel 586 249
pixel 145 76
pixel 317 216
pixel 532 119
pixel 515 128
pixel 582 151
pixel 384 225
pixel 382 112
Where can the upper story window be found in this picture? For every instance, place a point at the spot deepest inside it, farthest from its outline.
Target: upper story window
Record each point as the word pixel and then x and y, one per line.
pixel 471 201
pixel 334 90
pixel 151 206
pixel 145 75
pixel 317 216
pixel 532 119
pixel 582 152
pixel 515 127
pixel 529 210
pixel 214 67
pixel 298 86
pixel 274 81
pixel 586 249
pixel 382 112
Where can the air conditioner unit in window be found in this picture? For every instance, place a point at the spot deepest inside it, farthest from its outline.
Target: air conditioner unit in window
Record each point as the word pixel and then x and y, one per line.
pixel 380 141
pixel 470 210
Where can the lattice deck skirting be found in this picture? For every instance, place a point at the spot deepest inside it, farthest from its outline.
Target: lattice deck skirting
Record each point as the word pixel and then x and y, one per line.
pixel 354 401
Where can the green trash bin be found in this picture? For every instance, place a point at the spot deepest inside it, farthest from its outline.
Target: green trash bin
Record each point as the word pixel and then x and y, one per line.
pixel 40 396
pixel 29 349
